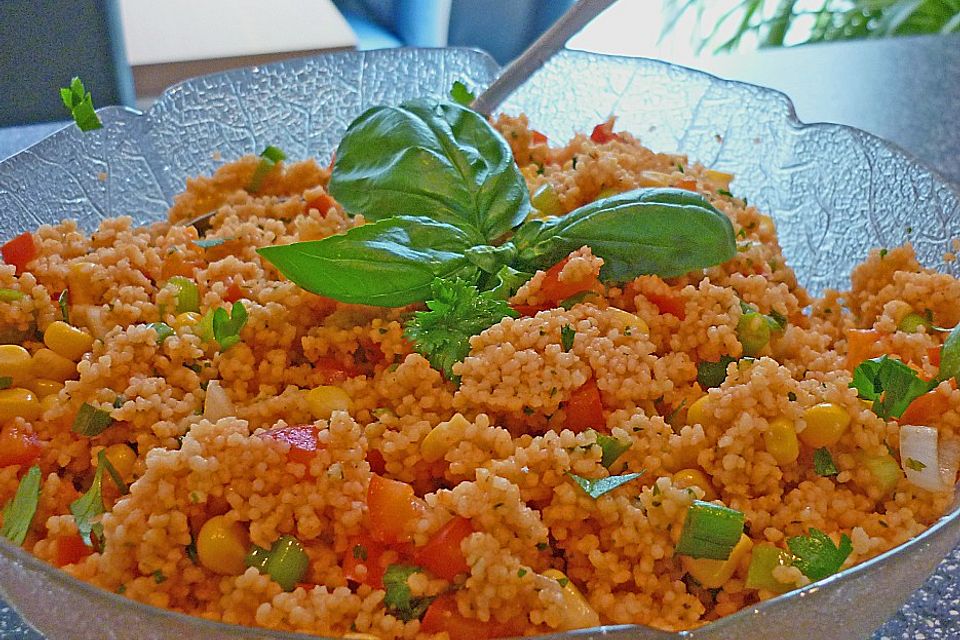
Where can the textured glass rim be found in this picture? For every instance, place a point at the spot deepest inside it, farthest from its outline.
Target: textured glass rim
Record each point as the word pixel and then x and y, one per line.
pixel 63 579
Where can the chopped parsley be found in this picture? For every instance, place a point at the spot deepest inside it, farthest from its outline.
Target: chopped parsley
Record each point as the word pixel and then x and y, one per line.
pixel 64 301
pixel 158 577
pixel 521 572
pixel 19 512
pixel 598 487
pixel 817 556
pixel 914 465
pixel 79 103
pixel 724 192
pixel 456 312
pixel 89 506
pixel 91 421
pixel 567 335
pixel 226 328
pixel 399 600
pixel 461 95
pixel 712 374
pixel 360 552
pixel 823 463
pixel 890 384
pixel 612 449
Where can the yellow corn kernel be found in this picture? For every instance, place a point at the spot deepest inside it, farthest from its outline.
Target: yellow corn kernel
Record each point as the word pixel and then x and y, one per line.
pixel 52 366
pixel 719 178
pixel 697 413
pixel 222 546
pixel 443 437
pixel 15 363
pixel 898 310
pixel 629 324
pixel 780 439
pixel 578 614
pixel 80 278
pixel 324 400
pixel 19 403
pixel 49 402
pixel 766 226
pixel 43 388
pixel 713 574
pixel 695 477
pixel 653 179
pixel 826 422
pixel 122 458
pixel 69 342
pixel 186 319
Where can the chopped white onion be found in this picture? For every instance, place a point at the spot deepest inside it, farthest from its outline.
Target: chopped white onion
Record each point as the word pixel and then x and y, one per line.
pixel 920 458
pixel 217 404
pixel 949 463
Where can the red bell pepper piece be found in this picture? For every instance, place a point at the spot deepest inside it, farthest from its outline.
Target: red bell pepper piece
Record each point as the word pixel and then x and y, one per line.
pixel 392 508
pixel 301 438
pixel 20 251
pixel 584 408
pixel 442 555
pixel 18 447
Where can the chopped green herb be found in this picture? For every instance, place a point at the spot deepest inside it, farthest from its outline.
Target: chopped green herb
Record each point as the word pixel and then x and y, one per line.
pixel 79 103
pixel 950 357
pixel 210 243
pixel 91 421
pixel 791 396
pixel 461 95
pixel 10 295
pixel 915 465
pixel 563 582
pixel 567 335
pixel 226 328
pixel 192 551
pixel 360 552
pixel 6 382
pixel 823 463
pixel 680 168
pixel 890 384
pixel 710 531
pixel 103 461
pixel 577 298
pixel 521 572
pixel 883 253
pixel 158 577
pixel 64 301
pixel 724 192
pixel 19 512
pixel 269 158
pixel 399 600
pixel 817 556
pixel 118 401
pixel 163 330
pixel 778 319
pixel 88 507
pixel 457 312
pixel 712 374
pixel 676 412
pixel 612 449
pixel 599 486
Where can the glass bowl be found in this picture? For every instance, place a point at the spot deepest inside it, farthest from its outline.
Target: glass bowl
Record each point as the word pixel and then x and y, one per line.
pixel 834 192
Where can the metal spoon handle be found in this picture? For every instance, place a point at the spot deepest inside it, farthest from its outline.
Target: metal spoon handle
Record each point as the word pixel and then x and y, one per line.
pixel 518 71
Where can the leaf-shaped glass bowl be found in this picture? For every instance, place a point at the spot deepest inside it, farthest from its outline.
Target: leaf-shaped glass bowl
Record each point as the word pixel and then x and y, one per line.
pixel 834 191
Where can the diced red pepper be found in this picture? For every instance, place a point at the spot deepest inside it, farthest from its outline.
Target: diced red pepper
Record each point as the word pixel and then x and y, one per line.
pixel 322 203
pixel 528 310
pixel 442 555
pixel 392 508
pixel 687 183
pixel 376 461
pixel 925 410
pixel 180 263
pixel 861 345
pixel 556 291
pixel 301 438
pixel 20 251
pixel 584 408
pixel 537 138
pixel 603 132
pixel 443 615
pixel 933 353
pixel 18 447
pixel 668 303
pixel 234 293
pixel 71 550
pixel 366 551
pixel 332 370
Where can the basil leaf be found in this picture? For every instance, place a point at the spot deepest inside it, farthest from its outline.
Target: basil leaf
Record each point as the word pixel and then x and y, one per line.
pixel 506 282
pixel 434 159
pixel 891 384
pixel 712 374
pixel 823 463
pixel 461 95
pixel 950 356
pixel 227 327
pixel 89 506
pixel 390 263
pixel 91 421
pixel 597 487
pixel 19 512
pixel 667 232
pixel 612 449
pixel 817 556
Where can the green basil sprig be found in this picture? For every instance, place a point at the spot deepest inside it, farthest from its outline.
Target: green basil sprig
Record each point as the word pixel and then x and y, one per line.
pixel 448 202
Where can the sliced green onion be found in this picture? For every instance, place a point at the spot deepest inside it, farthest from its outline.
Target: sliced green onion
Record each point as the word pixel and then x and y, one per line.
pixel 79 103
pixel 204 328
pixel 19 512
pixel 764 560
pixel 612 449
pixel 710 531
pixel 753 331
pixel 258 558
pixel 188 295
pixel 10 295
pixel 91 421
pixel 288 562
pixel 269 158
pixel 546 200
pixel 912 322
pixel 163 330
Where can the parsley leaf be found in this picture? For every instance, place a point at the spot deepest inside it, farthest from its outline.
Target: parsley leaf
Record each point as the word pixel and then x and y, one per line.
pixel 567 334
pixel 915 465
pixel 398 600
pixel 612 449
pixel 712 374
pixel 19 512
pixel 91 421
pixel 64 301
pixel 597 487
pixel 79 103
pixel 461 95
pixel 226 328
pixel 457 312
pixel 816 555
pixel 823 463
pixel 89 506
pixel 890 384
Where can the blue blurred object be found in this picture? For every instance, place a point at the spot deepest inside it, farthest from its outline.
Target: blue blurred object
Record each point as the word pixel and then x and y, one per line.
pixel 503 28
pixel 46 43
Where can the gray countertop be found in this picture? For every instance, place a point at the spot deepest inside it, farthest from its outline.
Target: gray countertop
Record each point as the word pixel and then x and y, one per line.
pixel 906 90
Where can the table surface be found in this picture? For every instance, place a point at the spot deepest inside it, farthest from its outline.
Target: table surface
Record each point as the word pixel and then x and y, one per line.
pixel 905 90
